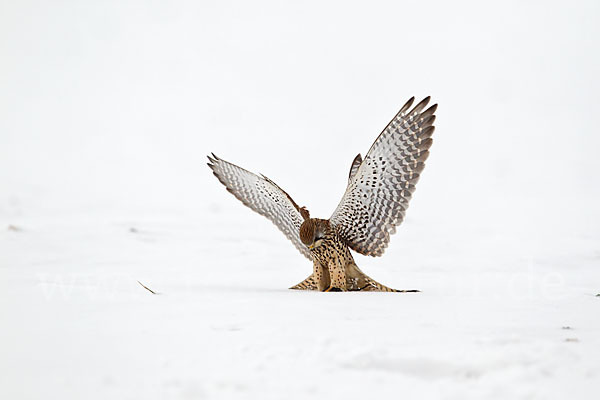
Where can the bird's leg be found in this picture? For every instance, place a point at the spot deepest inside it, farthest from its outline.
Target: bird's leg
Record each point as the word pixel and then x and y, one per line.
pixel 355 278
pixel 320 276
pixel 337 274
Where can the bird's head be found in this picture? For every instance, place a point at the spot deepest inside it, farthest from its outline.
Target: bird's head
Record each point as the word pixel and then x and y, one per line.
pixel 313 231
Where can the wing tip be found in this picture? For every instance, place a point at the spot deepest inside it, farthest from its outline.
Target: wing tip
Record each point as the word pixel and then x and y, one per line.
pixel 421 105
pixel 407 105
pixel 213 159
pixel 432 109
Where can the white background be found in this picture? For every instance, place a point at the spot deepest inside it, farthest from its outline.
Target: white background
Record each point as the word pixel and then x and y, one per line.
pixel 108 109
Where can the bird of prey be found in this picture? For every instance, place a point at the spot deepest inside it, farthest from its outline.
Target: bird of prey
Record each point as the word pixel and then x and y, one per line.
pixel 379 189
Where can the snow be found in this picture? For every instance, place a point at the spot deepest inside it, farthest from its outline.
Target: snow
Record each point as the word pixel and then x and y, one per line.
pixel 107 110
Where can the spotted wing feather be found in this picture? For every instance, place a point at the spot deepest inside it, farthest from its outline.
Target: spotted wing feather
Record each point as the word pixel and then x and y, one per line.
pixel 354 167
pixel 265 197
pixel 378 193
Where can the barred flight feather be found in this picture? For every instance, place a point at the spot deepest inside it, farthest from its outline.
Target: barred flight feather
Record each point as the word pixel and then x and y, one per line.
pixel 263 196
pixel 381 187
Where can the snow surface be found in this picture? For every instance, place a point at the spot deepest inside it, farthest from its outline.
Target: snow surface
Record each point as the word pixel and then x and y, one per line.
pixel 107 110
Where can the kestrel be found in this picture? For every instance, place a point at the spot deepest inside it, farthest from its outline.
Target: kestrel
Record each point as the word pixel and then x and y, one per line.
pixel 379 189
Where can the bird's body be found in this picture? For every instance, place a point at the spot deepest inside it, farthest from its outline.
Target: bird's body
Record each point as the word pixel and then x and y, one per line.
pixel 375 202
pixel 334 268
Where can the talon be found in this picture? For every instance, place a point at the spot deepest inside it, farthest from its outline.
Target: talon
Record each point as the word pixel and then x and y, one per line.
pixel 333 289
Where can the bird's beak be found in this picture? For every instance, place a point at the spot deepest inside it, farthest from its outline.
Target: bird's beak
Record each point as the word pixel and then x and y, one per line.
pixel 310 246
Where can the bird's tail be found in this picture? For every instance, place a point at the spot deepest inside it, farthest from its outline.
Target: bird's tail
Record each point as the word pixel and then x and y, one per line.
pixel 356 281
pixel 359 281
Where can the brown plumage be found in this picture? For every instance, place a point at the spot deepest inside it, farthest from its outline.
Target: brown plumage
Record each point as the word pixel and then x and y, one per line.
pixel 380 187
pixel 333 265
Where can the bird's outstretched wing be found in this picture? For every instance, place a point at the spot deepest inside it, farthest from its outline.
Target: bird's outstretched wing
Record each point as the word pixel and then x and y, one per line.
pixel 263 196
pixel 378 193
